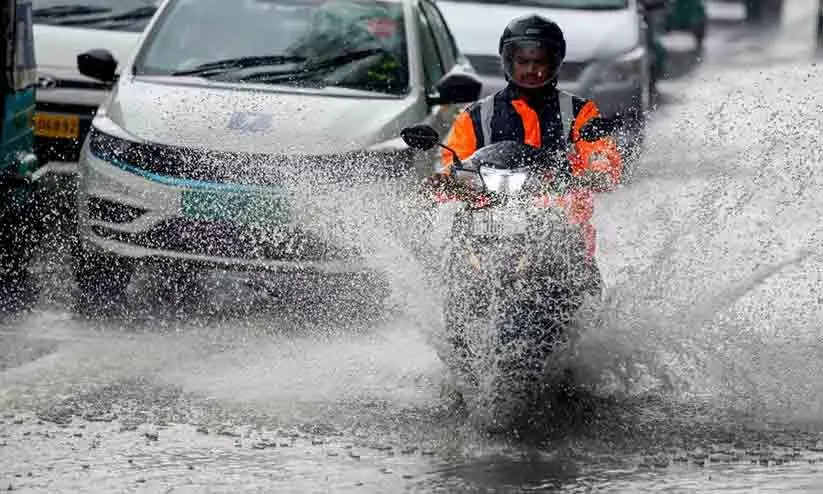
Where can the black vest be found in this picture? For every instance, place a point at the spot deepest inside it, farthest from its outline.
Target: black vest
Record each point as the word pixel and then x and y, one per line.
pixel 496 115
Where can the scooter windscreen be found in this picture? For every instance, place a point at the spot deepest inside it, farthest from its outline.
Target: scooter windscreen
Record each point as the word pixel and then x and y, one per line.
pixel 505 167
pixel 507 155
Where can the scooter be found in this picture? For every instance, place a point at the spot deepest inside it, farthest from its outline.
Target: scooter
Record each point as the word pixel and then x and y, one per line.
pixel 515 270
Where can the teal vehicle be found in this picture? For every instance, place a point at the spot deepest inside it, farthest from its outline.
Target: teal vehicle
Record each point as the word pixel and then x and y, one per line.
pixel 18 164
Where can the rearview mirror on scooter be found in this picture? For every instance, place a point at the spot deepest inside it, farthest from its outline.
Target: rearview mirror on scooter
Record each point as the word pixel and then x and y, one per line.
pixel 424 137
pixel 599 127
pixel 421 137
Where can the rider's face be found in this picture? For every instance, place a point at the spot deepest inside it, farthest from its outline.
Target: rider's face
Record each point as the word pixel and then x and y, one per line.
pixel 531 67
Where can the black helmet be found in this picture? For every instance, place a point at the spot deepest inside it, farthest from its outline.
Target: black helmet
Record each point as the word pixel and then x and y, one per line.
pixel 535 31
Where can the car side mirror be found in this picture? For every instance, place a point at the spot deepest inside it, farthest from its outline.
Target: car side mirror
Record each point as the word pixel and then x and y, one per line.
pixel 422 137
pixel 97 64
pixel 456 87
pixel 599 127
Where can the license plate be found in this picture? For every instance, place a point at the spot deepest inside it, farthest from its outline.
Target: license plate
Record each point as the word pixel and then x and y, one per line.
pixel 491 222
pixel 247 208
pixel 56 126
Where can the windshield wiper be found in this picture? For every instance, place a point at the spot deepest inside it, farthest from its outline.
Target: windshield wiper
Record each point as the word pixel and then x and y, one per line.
pixel 139 13
pixel 345 59
pixel 128 16
pixel 68 11
pixel 229 64
pixel 309 70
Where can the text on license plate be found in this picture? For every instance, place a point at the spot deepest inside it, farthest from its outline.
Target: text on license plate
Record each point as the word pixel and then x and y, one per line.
pixel 500 223
pixel 56 125
pixel 248 208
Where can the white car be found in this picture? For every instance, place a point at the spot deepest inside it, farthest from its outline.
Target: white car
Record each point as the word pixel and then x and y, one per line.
pixel 66 99
pixel 609 54
pixel 185 162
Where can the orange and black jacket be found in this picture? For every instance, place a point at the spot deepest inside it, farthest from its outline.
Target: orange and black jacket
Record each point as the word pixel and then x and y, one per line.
pixel 550 122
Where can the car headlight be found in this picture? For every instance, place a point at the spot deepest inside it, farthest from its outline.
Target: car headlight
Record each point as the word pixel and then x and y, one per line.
pixel 108 141
pixel 108 126
pixel 627 67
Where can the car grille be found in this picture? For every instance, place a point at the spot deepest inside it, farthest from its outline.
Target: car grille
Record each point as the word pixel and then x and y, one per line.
pixel 491 65
pixel 112 212
pixel 229 240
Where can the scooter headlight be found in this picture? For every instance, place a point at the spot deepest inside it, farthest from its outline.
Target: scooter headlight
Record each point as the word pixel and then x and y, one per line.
pixel 504 181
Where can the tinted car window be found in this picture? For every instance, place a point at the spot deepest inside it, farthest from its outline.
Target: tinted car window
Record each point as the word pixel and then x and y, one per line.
pixel 117 15
pixel 343 43
pixel 445 42
pixel 432 63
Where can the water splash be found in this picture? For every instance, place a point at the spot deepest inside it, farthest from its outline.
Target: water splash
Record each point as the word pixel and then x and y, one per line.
pixel 713 255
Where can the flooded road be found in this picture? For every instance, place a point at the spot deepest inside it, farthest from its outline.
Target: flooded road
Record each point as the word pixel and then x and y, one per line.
pixel 704 373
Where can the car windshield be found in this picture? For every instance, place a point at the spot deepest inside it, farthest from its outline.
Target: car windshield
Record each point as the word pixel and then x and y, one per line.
pixel 116 15
pixel 311 43
pixel 561 4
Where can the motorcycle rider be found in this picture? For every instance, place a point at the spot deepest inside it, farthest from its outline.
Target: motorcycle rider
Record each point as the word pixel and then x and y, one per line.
pixel 532 110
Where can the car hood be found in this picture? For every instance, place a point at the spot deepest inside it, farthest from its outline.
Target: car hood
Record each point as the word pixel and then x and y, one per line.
pixel 57 48
pixel 191 112
pixel 590 34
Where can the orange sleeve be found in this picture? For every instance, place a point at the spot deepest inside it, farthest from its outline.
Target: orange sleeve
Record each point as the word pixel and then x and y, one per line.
pixel 461 139
pixel 598 156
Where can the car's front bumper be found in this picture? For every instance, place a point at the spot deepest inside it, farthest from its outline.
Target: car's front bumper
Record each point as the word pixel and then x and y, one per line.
pixel 135 216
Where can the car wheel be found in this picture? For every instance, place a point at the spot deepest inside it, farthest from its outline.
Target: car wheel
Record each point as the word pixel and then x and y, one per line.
pixel 102 280
pixel 179 286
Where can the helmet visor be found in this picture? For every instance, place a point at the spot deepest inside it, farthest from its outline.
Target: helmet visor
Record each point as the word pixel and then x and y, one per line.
pixel 530 62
